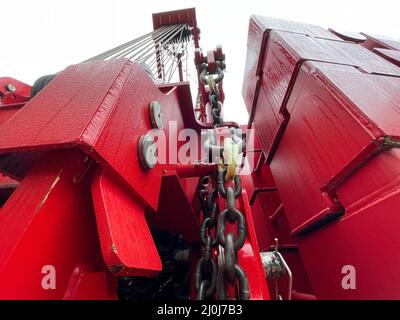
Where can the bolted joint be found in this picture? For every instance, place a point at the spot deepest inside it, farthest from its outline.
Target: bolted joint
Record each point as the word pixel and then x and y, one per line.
pixel 10 87
pixel 156 115
pixel 147 151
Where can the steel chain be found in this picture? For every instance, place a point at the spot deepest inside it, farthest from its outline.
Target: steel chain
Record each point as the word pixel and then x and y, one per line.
pixel 213 228
pixel 216 105
pixel 231 242
pixel 206 268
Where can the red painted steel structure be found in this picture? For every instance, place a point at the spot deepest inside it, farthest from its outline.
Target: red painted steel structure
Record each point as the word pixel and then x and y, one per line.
pixel 325 108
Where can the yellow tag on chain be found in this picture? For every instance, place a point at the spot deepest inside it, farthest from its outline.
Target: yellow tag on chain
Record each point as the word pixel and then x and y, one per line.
pixel 230 154
pixel 211 84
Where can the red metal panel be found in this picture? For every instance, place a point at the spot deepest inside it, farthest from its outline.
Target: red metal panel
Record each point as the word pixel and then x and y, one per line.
pixel 87 284
pixel 390 55
pixel 365 185
pixel 367 238
pixel 301 47
pixel 264 207
pixel 332 109
pixel 259 29
pixel 338 122
pixel 249 256
pixel 8 111
pixel 376 98
pixel 101 107
pixel 48 220
pixel 175 211
pixel 284 55
pixel 349 36
pixel 375 41
pixel 169 18
pixel 127 245
pixel 264 204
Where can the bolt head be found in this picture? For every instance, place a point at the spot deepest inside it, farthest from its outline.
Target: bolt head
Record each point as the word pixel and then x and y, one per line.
pixel 147 151
pixel 11 87
pixel 156 115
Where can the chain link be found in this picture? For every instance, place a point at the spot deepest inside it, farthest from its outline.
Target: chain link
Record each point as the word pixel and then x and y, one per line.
pixel 230 242
pixel 214 224
pixel 208 79
pixel 206 268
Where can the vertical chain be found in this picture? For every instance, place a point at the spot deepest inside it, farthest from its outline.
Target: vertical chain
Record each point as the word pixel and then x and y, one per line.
pixel 208 79
pixel 231 242
pixel 206 267
pixel 213 229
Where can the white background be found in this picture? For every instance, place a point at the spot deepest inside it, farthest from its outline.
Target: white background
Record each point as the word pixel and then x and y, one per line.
pixel 43 36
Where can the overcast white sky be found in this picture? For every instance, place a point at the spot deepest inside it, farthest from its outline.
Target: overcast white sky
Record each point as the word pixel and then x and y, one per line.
pixel 44 36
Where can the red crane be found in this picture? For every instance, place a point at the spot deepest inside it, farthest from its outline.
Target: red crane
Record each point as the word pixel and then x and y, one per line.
pixel 116 185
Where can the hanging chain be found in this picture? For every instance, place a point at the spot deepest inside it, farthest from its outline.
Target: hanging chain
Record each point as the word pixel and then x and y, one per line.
pixel 213 226
pixel 208 79
pixel 206 268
